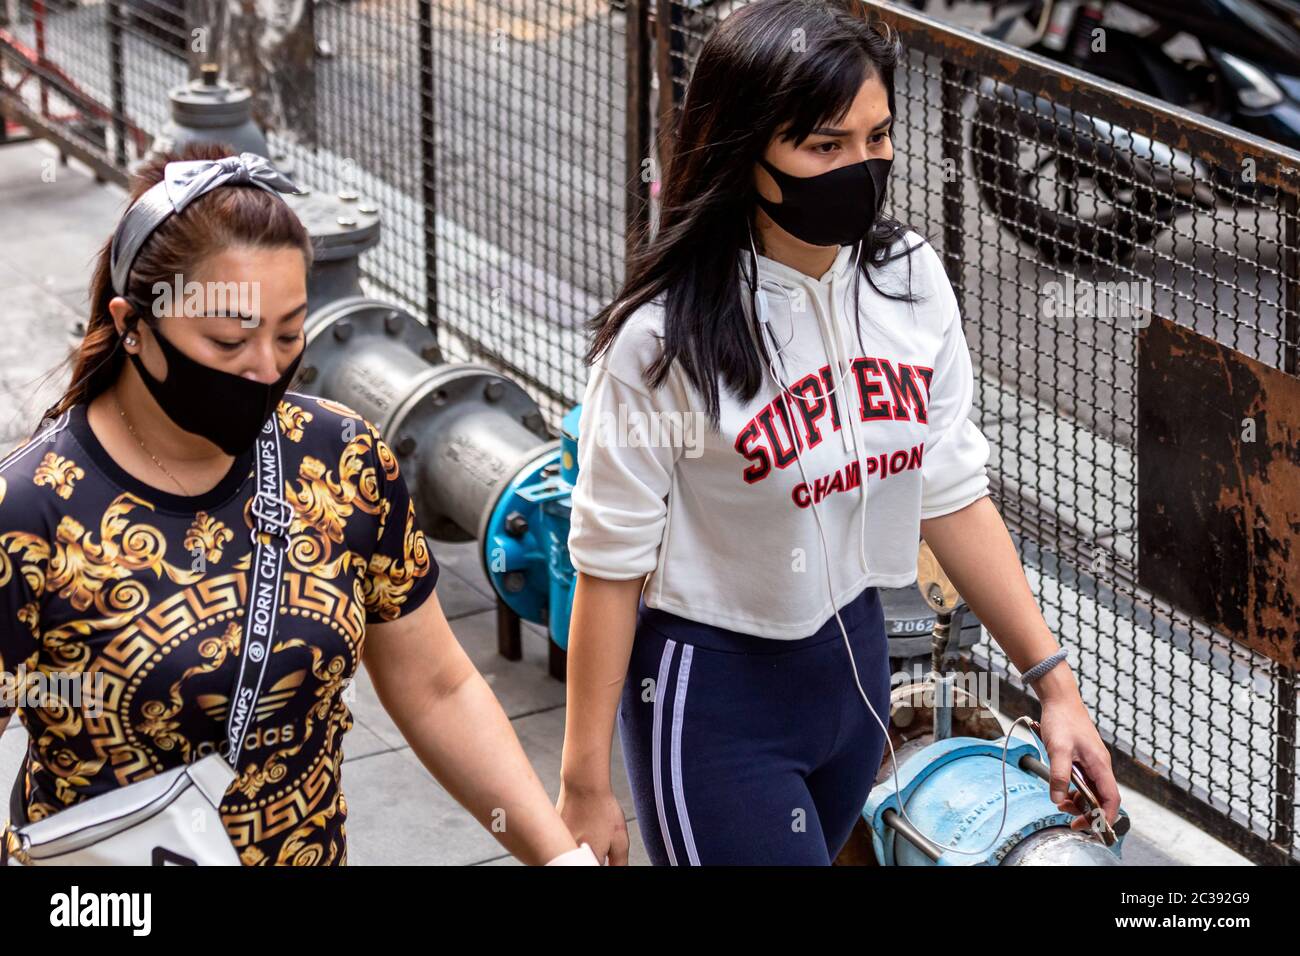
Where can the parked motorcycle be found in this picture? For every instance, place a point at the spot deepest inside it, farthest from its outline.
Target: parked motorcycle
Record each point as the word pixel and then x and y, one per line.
pixel 1079 187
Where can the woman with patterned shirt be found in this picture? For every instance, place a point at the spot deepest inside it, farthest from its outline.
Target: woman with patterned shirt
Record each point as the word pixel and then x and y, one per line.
pixel 125 548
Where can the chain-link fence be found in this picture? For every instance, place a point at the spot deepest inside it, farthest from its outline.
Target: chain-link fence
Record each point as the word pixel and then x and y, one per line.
pixel 489 133
pixel 1091 234
pixel 1097 239
pixel 89 75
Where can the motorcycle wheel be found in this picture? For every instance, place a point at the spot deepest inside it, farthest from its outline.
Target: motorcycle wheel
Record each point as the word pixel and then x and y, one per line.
pixel 1059 214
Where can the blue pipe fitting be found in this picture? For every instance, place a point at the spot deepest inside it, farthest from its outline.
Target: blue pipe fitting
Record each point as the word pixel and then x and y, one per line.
pixel 952 790
pixel 526 539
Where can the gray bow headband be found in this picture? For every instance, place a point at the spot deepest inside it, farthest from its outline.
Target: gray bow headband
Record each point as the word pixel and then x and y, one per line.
pixel 182 183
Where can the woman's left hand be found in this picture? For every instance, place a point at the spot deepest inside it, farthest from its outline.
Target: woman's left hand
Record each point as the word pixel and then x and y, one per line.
pixel 1070 735
pixel 976 552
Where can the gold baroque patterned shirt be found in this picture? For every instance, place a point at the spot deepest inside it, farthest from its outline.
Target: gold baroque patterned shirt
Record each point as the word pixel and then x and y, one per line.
pixel 142 593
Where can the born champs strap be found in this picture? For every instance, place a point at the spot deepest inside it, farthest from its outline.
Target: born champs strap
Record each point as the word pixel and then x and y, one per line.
pixel 272 516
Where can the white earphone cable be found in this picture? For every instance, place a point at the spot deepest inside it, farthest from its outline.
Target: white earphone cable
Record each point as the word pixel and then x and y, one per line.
pixel 756 288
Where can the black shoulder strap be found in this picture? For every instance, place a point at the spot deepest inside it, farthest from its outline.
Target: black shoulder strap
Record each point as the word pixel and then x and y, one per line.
pixel 272 516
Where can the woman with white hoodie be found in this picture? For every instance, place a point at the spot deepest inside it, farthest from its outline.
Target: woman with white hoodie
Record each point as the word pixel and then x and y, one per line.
pixel 778 410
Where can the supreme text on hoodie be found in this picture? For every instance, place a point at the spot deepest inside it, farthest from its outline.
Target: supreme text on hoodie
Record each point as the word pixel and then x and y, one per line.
pixel 722 521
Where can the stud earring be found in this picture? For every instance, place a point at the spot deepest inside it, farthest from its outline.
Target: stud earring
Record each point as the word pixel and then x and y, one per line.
pixel 129 340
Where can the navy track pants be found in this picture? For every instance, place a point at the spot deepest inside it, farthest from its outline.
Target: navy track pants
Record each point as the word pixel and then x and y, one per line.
pixel 743 750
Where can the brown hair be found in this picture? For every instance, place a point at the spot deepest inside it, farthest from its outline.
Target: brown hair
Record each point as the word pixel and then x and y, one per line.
pixel 224 217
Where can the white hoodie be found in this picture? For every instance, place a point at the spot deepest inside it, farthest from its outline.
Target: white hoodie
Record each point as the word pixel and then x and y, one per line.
pixel 723 522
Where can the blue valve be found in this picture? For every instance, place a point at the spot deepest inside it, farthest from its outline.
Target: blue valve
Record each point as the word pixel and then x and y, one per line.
pixel 952 790
pixel 526 541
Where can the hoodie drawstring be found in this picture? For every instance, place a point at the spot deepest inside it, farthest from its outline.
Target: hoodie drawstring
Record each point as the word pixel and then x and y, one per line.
pixel 849 421
pixel 837 351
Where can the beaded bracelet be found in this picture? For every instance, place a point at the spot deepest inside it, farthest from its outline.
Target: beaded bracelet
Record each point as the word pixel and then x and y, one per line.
pixel 1042 667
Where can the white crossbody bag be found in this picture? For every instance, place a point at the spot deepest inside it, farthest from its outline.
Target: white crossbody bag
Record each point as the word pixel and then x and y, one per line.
pixel 174 817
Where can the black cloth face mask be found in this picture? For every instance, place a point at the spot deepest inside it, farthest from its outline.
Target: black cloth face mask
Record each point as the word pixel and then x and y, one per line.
pixel 226 409
pixel 834 208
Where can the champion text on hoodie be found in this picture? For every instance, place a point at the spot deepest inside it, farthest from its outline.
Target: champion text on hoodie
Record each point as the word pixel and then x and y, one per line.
pixel 722 521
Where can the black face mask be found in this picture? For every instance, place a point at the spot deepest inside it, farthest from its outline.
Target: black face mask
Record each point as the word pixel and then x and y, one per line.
pixel 226 409
pixel 834 208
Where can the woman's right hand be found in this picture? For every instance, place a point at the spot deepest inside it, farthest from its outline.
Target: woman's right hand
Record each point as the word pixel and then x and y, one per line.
pixel 602 629
pixel 594 816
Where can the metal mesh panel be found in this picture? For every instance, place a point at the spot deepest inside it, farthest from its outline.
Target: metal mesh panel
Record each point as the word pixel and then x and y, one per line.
pixel 529 169
pixel 489 133
pixel 1057 398
pixel 1024 210
pixel 93 76
pixel 369 134
pixel 496 137
pixel 1036 210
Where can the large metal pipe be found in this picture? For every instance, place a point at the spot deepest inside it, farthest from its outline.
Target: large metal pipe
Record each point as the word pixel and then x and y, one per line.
pixel 461 431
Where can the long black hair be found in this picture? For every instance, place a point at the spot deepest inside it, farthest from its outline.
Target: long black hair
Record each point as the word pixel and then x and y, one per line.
pixel 749 82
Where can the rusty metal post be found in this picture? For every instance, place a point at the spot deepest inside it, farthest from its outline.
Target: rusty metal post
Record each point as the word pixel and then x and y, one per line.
pixel 117 81
pixel 950 98
pixel 636 140
pixel 428 163
pixel 668 60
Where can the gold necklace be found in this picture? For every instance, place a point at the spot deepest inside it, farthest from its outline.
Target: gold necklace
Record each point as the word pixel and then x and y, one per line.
pixel 126 421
